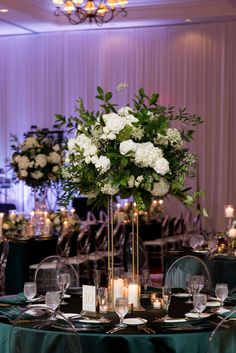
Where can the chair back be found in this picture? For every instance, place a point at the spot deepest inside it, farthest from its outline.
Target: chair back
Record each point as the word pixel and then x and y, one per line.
pixel 26 332
pixel 223 337
pixel 187 265
pixel 47 271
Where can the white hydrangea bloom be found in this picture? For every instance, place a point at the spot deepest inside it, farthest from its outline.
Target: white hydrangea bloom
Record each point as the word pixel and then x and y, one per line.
pixel 108 189
pixel 146 154
pixel 87 160
pixel 37 174
pixel 127 146
pixel 160 188
pixel 103 164
pixel 124 111
pixel 94 159
pixel 174 137
pixel 40 160
pixel 161 166
pixel 71 144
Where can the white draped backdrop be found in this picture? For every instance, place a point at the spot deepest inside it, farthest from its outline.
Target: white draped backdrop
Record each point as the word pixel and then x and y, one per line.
pixel 190 65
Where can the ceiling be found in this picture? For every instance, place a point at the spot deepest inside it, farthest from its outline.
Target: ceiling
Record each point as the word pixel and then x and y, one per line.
pixel 36 16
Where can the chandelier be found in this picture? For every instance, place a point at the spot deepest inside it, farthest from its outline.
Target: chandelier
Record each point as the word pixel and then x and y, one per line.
pixel 100 12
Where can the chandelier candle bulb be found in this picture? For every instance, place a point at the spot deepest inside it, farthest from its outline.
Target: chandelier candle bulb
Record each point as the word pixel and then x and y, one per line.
pixel 229 211
pixel 63 211
pixel 1 218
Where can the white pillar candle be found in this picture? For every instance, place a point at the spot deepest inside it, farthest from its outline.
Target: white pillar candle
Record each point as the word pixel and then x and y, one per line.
pixel 47 227
pixel 118 288
pixel 229 211
pixel 157 304
pixel 133 294
pixel 1 218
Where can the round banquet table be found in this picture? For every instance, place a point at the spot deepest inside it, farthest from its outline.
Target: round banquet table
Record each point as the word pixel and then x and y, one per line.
pixel 129 340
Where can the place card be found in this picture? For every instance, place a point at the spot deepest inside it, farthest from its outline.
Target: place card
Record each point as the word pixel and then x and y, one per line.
pixel 89 298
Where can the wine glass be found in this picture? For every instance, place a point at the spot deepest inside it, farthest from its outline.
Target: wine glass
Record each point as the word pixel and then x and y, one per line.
pixel 121 308
pixel 166 296
pixel 199 303
pixel 193 242
pixel 189 288
pixel 201 282
pixel 201 240
pixel 145 282
pixel 52 300
pixel 221 291
pixel 96 278
pixel 30 290
pixel 63 280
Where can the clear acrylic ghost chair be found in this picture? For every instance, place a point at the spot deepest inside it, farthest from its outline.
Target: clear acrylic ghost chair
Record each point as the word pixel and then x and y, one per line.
pixel 35 331
pixel 223 337
pixel 47 271
pixel 187 265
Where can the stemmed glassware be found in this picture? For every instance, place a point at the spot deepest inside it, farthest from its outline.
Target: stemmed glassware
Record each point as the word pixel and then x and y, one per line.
pixel 63 280
pixel 30 290
pixel 121 308
pixel 193 242
pixel 166 296
pixel 52 300
pixel 145 282
pixel 221 292
pixel 96 278
pixel 189 288
pixel 199 303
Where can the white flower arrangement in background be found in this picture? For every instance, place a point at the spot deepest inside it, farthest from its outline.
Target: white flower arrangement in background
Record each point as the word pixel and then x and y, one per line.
pixel 130 152
pixel 37 160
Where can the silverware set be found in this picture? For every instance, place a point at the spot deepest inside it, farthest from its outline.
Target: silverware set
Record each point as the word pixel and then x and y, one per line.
pixel 115 329
pixel 145 329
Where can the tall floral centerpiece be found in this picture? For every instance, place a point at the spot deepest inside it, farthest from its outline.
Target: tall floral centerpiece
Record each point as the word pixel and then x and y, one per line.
pixel 134 151
pixel 37 162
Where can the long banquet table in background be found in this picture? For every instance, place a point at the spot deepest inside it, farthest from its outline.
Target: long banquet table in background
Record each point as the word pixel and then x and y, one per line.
pixel 21 255
pixel 222 267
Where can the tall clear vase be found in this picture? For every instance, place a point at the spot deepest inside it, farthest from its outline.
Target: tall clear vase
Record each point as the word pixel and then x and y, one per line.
pixel 40 209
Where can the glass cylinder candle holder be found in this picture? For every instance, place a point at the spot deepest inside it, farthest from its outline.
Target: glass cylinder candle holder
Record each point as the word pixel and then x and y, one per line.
pixel 133 291
pixel 116 285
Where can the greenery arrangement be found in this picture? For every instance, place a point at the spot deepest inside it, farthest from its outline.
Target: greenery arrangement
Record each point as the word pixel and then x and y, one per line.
pixel 133 151
pixel 37 160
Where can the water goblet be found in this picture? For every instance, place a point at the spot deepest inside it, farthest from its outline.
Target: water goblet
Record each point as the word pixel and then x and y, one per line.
pixel 199 303
pixel 189 288
pixel 201 240
pixel 63 280
pixel 96 278
pixel 121 308
pixel 145 282
pixel 52 301
pixel 30 290
pixel 166 296
pixel 221 291
pixel 201 283
pixel 193 241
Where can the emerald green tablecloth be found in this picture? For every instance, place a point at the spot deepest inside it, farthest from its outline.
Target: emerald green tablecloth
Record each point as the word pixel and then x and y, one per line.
pixel 31 341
